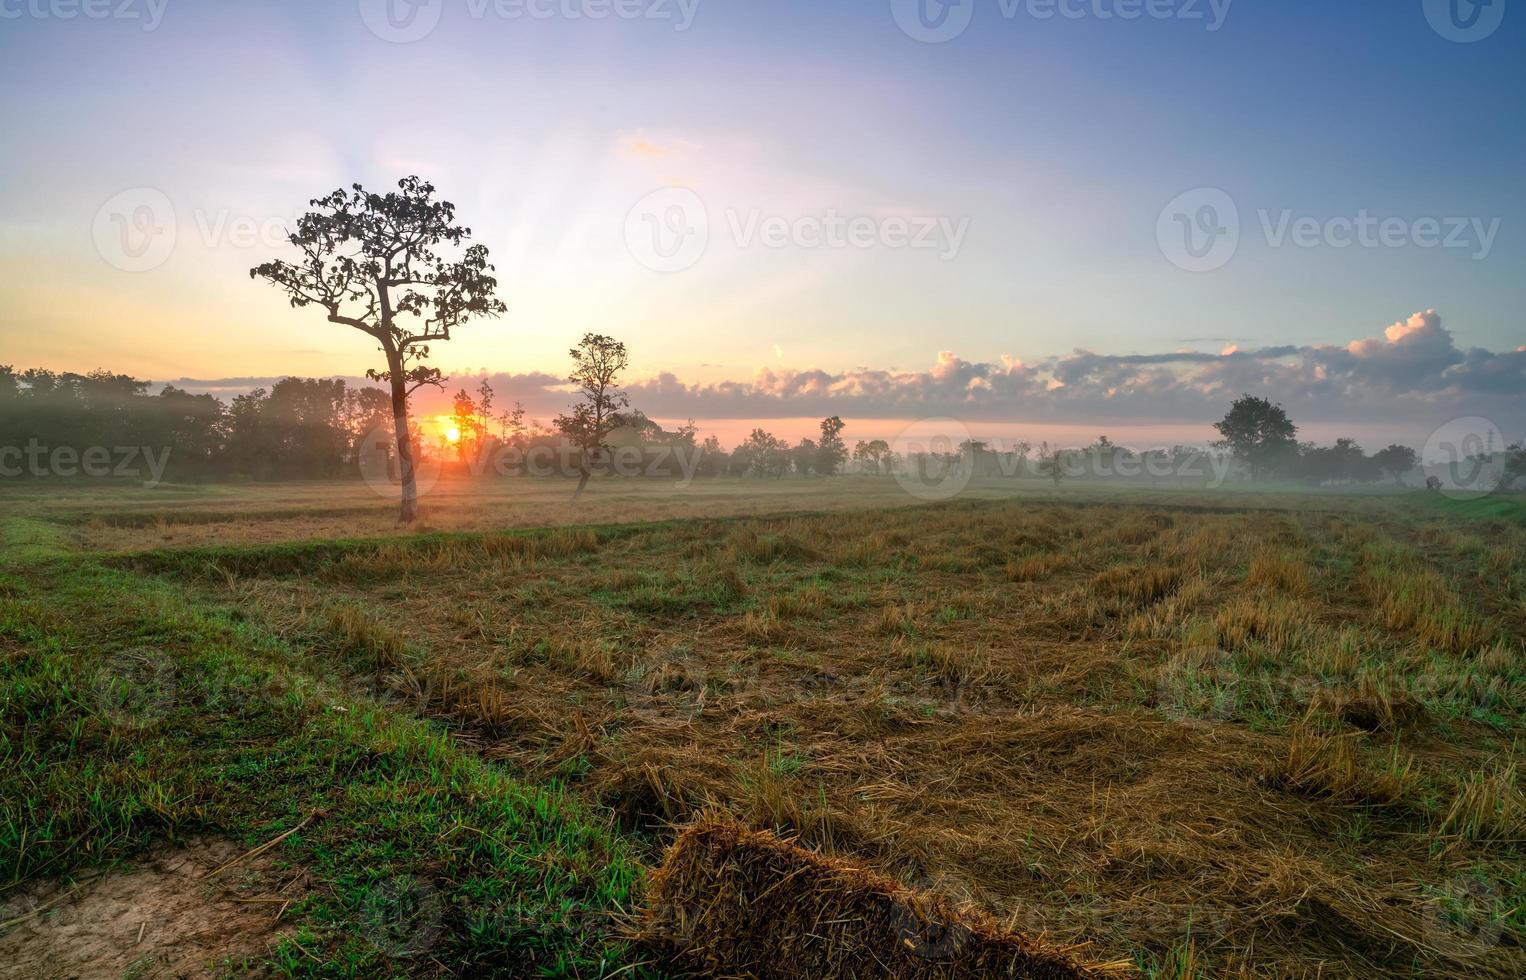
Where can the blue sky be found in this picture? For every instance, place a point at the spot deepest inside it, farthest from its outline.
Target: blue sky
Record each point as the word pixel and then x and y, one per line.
pixel 1055 143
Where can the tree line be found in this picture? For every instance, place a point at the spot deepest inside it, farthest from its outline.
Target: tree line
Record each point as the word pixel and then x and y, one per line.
pixel 1264 440
pixel 396 267
pixel 299 427
pixel 318 428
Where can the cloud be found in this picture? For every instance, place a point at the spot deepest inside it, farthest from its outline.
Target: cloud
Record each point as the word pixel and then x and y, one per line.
pixel 640 146
pixel 1412 374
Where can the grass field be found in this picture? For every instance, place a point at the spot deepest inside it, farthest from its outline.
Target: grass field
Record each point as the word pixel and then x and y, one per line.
pixel 1215 734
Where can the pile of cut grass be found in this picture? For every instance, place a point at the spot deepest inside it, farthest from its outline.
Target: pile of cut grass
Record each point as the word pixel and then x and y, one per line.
pixel 729 901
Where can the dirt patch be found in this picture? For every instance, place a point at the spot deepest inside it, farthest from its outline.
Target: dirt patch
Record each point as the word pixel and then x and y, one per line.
pixel 160 917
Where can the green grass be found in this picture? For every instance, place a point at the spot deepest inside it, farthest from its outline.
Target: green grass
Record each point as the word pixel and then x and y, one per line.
pixel 25 539
pixel 129 715
pixel 885 674
pixel 1496 507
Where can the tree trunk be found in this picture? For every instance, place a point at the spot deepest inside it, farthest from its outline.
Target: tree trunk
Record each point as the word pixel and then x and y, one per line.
pixel 410 503
pixel 586 462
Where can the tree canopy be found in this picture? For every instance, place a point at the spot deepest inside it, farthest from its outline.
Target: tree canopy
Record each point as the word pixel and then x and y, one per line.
pixel 373 262
pixel 1259 433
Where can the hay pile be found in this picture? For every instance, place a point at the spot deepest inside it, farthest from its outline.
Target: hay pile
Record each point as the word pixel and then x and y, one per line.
pixel 729 901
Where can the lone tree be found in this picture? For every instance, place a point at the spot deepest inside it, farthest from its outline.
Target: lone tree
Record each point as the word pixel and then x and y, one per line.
pixel 596 365
pixel 371 262
pixel 1052 463
pixel 1259 434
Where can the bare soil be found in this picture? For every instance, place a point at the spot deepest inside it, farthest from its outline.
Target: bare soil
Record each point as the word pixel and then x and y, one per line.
pixel 162 917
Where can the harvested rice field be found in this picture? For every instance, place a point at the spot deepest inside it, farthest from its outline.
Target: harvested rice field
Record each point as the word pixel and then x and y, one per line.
pixel 1163 735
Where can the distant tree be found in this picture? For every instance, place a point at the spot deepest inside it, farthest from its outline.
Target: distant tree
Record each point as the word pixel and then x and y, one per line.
pixel 831 451
pixel 485 398
pixel 1259 434
pixel 712 458
pixel 1395 460
pixel 872 456
pixel 1019 457
pixel 1052 463
pixel 1108 455
pixel 463 418
pixel 194 426
pixel 597 362
pixel 296 429
pixel 806 456
pixel 511 424
pixel 372 262
pixel 646 430
pixel 1187 462
pixel 765 454
pixel 1343 462
pixel 976 455
pixel 364 409
pixel 1515 466
pixel 1317 464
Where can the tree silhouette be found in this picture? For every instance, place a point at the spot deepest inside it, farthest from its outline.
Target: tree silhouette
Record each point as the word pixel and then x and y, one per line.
pixel 1396 460
pixel 597 361
pixel 371 262
pixel 1259 434
pixel 806 456
pixel 1052 462
pixel 873 456
pixel 765 454
pixel 831 451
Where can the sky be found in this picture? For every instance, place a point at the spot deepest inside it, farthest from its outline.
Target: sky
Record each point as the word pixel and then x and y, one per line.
pixel 1032 215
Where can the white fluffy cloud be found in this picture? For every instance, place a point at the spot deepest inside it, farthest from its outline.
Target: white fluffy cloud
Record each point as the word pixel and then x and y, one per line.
pixel 1411 373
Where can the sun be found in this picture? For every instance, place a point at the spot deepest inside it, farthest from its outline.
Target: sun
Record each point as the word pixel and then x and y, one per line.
pixel 453 435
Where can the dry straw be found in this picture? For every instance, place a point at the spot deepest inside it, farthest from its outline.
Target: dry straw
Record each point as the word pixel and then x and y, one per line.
pixel 729 901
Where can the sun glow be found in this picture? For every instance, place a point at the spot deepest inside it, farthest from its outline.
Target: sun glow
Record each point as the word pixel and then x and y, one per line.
pixel 452 435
